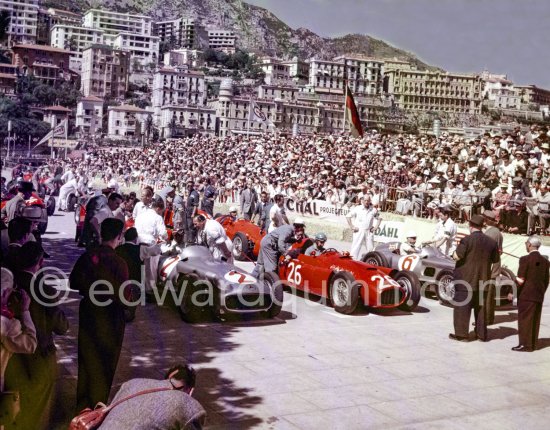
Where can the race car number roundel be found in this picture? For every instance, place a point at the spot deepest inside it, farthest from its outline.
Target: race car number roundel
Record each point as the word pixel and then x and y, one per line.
pixel 408 262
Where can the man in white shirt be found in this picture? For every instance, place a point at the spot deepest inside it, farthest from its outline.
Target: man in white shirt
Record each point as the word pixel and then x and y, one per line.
pixel 277 214
pixel 363 220
pixel 71 186
pixel 445 233
pixel 113 203
pixel 151 230
pixel 211 233
pixel 146 199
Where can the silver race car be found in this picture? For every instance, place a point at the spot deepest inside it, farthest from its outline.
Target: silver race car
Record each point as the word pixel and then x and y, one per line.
pixel 434 270
pixel 209 289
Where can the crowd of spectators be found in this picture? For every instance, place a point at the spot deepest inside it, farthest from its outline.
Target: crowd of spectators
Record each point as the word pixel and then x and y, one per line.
pixel 407 174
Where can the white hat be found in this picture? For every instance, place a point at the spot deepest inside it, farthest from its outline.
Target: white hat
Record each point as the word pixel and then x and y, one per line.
pixel 299 221
pixel 411 233
pixel 233 209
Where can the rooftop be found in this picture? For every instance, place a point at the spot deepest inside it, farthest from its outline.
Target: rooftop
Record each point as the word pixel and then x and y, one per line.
pixel 41 48
pixel 127 108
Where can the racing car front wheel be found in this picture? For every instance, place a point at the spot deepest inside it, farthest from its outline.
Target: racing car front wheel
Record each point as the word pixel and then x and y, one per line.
pixel 409 281
pixel 240 247
pixel 344 292
pixel 444 287
pixel 375 258
pixel 272 280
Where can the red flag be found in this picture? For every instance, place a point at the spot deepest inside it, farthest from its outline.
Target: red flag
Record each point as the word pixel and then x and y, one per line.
pixel 353 115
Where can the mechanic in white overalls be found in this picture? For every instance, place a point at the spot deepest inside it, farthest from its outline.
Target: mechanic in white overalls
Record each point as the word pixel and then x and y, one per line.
pixel 445 233
pixel 211 233
pixel 363 220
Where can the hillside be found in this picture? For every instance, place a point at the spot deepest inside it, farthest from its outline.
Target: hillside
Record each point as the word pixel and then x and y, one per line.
pixel 258 30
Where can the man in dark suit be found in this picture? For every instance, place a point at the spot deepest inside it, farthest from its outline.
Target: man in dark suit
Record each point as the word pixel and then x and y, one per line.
pixel 99 275
pixel 532 279
pixel 475 256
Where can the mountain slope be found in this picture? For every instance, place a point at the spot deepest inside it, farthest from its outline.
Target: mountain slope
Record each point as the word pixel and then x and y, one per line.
pixel 258 30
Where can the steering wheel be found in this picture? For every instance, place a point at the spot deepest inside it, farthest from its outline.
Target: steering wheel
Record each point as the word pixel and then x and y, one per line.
pixel 327 250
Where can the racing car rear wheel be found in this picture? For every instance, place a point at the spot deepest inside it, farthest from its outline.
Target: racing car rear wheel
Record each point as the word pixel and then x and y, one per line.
pixel 240 247
pixel 344 292
pixel 444 287
pixel 50 205
pixel 272 280
pixel 72 202
pixel 506 283
pixel 409 281
pixel 375 258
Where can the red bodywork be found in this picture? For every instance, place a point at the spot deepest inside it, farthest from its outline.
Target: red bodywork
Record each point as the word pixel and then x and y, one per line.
pixel 313 274
pixel 34 200
pixel 252 232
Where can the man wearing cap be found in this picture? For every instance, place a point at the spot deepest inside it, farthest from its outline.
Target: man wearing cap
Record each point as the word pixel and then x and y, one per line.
pixel 14 206
pixel 409 247
pixel 275 244
pixel 318 246
pixel 532 279
pixel 363 220
pixel 475 255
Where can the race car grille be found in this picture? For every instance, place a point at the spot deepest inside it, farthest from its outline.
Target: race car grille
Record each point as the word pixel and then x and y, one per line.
pixel 392 296
pixel 249 302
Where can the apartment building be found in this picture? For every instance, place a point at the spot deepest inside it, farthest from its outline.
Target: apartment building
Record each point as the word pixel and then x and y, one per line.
pixel 531 94
pixel 23 21
pixel 105 72
pixel 183 121
pixel 499 91
pixel 142 48
pixel 89 116
pixel 222 40
pixel 113 23
pixel 46 63
pixel 275 71
pixel 177 86
pixel 183 57
pixel 364 75
pixel 126 121
pixel 75 39
pixel 47 18
pixel 8 79
pixel 436 91
pixel 298 70
pixel 182 33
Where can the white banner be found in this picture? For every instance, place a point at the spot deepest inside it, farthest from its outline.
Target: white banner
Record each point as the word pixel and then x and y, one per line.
pixel 257 115
pixel 389 231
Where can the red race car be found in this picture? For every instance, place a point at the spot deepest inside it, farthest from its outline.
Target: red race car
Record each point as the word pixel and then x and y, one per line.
pixel 246 237
pixel 344 281
pixel 41 212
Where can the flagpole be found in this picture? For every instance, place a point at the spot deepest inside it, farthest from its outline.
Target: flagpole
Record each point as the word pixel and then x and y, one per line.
pixel 249 116
pixel 345 94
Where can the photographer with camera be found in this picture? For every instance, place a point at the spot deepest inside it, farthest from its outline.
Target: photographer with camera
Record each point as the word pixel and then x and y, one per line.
pixel 17 335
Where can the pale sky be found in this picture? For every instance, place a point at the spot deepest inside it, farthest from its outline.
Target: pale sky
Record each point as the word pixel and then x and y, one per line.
pixel 464 36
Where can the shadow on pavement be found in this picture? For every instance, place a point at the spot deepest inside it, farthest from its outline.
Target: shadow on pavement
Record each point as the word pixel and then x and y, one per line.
pixel 543 343
pixel 509 317
pixel 154 342
pixel 501 333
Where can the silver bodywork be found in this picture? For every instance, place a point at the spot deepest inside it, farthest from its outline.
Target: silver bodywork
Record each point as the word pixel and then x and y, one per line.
pixel 429 264
pixel 231 289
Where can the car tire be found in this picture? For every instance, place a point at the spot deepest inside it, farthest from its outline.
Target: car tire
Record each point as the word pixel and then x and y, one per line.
pixel 410 282
pixel 72 202
pixel 344 292
pixel 509 276
pixel 50 206
pixel 376 258
pixel 42 227
pixel 277 293
pixel 240 247
pixel 444 289
pixel 188 311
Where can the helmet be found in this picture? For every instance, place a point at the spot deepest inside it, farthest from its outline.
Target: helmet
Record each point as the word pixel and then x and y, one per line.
pixel 321 237
pixel 299 221
pixel 233 209
pixel 411 233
